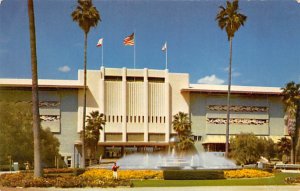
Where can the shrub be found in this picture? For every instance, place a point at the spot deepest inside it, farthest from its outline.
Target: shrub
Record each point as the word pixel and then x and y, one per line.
pixel 70 182
pixel 78 171
pixel 58 170
pixel 246 173
pixel 247 148
pixel 193 174
pixel 5 168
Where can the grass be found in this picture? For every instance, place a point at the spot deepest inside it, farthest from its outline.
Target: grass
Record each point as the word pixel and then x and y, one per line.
pixel 278 179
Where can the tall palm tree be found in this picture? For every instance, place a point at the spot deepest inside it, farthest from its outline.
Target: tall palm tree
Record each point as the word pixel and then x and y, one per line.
pixel 35 95
pixel 95 123
pixel 291 97
pixel 87 16
pixel 230 19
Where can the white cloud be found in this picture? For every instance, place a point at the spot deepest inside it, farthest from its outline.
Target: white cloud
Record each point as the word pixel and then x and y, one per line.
pixel 213 79
pixel 236 74
pixel 64 69
pixel 233 72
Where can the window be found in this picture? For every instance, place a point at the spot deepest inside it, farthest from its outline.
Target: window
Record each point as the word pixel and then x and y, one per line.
pixel 197 138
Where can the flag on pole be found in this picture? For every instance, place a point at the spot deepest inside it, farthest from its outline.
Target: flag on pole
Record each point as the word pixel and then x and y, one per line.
pixel 129 41
pixel 164 48
pixel 100 42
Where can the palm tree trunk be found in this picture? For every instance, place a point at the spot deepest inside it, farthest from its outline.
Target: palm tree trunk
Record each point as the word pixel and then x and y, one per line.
pixel 228 100
pixel 35 96
pixel 84 102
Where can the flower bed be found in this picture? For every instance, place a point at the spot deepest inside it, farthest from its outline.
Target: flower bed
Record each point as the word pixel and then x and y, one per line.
pixel 123 174
pixel 91 178
pixel 246 173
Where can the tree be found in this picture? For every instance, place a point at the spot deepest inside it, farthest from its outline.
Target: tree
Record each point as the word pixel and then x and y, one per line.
pixel 95 123
pixel 247 148
pixel 230 19
pixel 284 147
pixel 16 136
pixel 35 96
pixel 182 125
pixel 291 97
pixel 87 16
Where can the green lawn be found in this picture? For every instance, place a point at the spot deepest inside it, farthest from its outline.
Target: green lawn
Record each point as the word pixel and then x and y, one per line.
pixel 278 179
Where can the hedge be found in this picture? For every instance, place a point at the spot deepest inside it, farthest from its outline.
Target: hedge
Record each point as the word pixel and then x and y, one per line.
pixel 193 174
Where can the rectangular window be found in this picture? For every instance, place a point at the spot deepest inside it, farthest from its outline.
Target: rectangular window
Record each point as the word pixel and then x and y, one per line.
pixel 158 137
pixel 132 137
pixel 113 136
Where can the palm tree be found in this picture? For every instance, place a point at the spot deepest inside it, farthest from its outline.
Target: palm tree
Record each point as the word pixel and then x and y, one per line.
pixel 35 95
pixel 291 97
pixel 95 123
pixel 182 125
pixel 230 19
pixel 87 16
pixel 284 147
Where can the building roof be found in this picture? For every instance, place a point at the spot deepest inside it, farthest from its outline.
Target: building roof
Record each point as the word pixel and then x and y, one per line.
pixel 207 88
pixel 5 82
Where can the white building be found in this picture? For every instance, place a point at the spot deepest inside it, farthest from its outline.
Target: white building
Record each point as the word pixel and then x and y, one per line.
pixel 139 105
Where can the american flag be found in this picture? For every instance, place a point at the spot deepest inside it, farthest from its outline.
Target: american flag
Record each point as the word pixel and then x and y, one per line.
pixel 129 41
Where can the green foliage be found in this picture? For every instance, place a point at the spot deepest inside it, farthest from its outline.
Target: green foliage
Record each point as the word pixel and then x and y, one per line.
pixel 230 19
pixel 182 125
pixel 16 136
pixel 247 148
pixel 86 15
pixel 284 148
pixel 95 123
pixel 193 174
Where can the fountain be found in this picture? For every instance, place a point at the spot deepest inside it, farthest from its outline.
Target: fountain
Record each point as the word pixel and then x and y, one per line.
pixel 205 160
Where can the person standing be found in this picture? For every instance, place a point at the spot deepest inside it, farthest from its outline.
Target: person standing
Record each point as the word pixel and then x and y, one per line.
pixel 115 171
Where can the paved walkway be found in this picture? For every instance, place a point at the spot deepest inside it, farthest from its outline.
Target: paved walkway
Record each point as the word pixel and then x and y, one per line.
pixel 197 188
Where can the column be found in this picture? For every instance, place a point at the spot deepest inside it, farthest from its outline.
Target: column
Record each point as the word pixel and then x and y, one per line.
pixel 102 99
pixel 146 111
pixel 124 104
pixel 167 106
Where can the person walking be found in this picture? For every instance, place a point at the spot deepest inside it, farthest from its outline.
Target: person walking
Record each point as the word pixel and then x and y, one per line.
pixel 115 171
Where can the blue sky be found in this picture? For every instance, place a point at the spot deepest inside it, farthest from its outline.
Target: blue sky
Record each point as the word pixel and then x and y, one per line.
pixel 265 50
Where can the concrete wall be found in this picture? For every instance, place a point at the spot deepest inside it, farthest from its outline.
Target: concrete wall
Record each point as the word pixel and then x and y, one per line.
pixel 200 113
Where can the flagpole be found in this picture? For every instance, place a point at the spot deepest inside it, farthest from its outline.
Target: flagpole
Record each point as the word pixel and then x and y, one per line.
pixel 134 38
pixel 167 55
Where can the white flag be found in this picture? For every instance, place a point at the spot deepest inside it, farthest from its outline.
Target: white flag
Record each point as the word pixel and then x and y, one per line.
pixel 100 42
pixel 164 48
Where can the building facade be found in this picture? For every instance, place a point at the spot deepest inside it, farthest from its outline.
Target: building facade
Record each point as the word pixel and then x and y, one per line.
pixel 139 105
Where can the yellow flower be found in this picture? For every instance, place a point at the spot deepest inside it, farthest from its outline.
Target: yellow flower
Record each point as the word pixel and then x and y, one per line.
pixel 246 173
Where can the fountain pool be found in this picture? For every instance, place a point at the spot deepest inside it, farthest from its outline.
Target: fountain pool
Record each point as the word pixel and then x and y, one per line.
pixel 203 160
